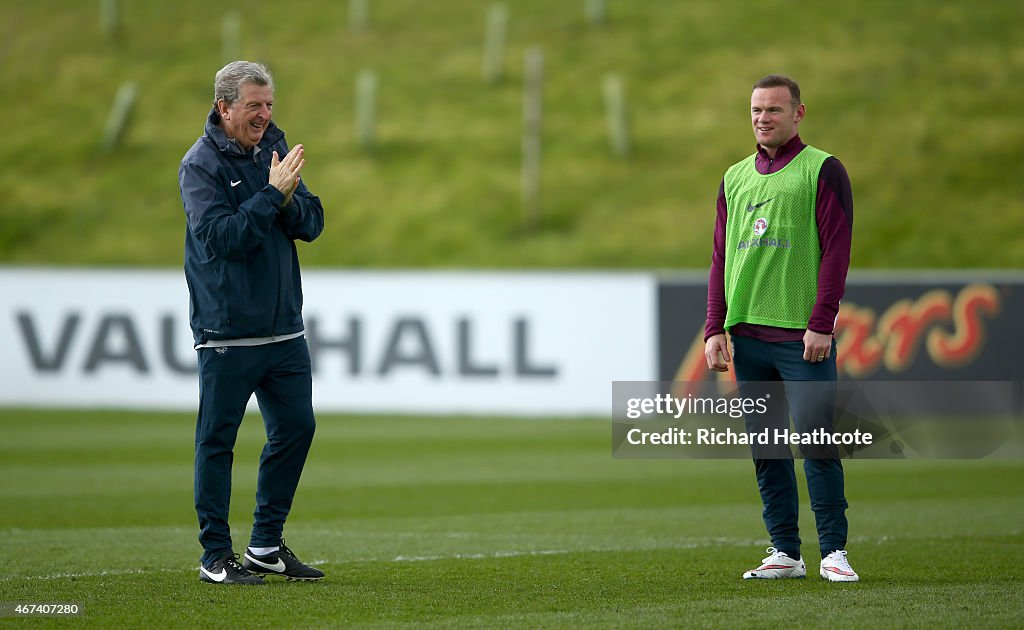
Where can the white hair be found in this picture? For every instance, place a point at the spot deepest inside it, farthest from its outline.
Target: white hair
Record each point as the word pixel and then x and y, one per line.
pixel 231 77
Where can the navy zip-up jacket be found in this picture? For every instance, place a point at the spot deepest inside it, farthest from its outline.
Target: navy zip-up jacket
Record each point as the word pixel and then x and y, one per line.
pixel 241 264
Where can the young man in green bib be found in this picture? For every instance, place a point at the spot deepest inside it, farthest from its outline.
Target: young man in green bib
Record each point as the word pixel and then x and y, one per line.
pixel 781 254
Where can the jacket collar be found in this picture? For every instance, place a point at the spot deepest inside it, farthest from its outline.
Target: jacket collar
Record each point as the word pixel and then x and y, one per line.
pixel 214 132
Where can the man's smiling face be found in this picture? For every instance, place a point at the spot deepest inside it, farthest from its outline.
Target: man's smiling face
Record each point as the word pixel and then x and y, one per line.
pixel 246 119
pixel 774 116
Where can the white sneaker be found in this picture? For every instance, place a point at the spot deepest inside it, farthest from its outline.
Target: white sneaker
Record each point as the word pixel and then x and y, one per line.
pixel 836 568
pixel 777 565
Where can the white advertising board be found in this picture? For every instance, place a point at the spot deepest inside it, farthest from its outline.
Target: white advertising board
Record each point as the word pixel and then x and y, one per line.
pixel 405 342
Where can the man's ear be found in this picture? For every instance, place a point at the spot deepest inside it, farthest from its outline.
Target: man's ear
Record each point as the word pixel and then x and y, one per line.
pixel 801 111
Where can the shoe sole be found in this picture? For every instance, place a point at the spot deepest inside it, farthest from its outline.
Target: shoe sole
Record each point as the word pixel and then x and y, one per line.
pixel 261 583
pixel 828 579
pixel 290 578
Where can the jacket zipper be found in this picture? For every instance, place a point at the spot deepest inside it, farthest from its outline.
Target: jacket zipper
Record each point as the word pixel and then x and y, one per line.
pixel 277 301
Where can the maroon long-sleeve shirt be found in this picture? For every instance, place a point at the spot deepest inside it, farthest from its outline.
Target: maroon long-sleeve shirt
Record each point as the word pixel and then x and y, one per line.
pixel 834 215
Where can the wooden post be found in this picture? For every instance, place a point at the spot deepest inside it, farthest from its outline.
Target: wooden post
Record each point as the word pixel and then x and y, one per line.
pixel 615 115
pixel 533 90
pixel 119 117
pixel 231 36
pixel 366 105
pixel 494 43
pixel 109 19
pixel 358 14
pixel 595 11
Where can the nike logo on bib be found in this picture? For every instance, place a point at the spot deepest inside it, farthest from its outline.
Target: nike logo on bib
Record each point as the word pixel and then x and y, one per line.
pixel 752 206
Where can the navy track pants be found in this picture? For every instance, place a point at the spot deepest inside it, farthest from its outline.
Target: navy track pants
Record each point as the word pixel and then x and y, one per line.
pixel 809 393
pixel 280 375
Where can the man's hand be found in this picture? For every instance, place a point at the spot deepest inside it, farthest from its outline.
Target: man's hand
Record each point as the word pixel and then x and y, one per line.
pixel 716 351
pixel 817 347
pixel 284 174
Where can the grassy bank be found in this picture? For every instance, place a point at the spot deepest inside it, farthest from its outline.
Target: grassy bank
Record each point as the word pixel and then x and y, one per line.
pixel 916 98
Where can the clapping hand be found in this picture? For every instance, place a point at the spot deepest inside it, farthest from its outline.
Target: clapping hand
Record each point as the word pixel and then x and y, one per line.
pixel 284 174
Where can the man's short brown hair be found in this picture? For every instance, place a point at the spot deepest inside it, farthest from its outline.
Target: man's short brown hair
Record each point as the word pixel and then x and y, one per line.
pixel 780 80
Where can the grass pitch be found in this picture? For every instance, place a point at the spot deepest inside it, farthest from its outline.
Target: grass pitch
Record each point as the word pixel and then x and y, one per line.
pixel 461 522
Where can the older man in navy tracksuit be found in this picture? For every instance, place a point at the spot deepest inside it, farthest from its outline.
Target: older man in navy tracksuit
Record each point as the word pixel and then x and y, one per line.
pixel 245 205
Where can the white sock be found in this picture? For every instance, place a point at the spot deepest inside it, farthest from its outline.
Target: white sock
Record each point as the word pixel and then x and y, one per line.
pixel 262 551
